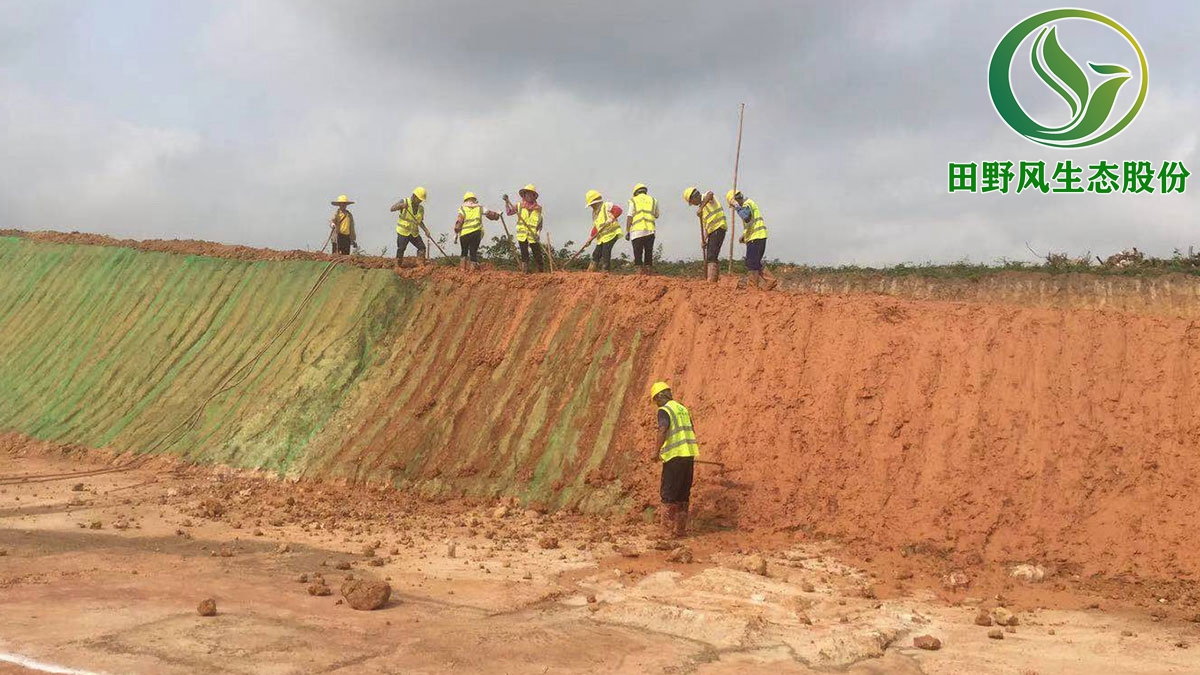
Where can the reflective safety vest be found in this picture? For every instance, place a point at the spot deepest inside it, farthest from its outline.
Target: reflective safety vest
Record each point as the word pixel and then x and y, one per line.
pixel 713 217
pixel 755 227
pixel 606 231
pixel 344 222
pixel 472 215
pixel 642 208
pixel 408 222
pixel 529 224
pixel 681 438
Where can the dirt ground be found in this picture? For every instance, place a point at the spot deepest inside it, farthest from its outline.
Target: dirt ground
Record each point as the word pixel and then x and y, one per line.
pixel 103 573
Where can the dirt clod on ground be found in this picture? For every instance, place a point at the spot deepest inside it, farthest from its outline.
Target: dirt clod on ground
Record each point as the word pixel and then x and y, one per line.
pixel 927 642
pixel 366 595
pixel 207 607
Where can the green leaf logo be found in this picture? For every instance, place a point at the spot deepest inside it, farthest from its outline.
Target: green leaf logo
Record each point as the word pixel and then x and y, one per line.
pixel 1091 108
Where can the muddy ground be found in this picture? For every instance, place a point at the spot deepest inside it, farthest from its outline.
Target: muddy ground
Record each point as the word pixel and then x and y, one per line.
pixel 103 573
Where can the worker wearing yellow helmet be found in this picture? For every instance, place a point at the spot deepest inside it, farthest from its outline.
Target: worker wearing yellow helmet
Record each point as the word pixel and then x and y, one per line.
pixel 712 228
pixel 677 450
pixel 410 219
pixel 530 219
pixel 341 227
pixel 755 239
pixel 606 230
pixel 468 230
pixel 639 227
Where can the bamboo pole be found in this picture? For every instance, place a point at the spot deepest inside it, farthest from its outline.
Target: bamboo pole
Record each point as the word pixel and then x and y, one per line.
pixel 736 161
pixel 512 242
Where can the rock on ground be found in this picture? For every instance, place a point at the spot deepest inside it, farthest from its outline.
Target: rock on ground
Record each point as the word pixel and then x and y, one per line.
pixel 927 642
pixel 207 607
pixel 366 595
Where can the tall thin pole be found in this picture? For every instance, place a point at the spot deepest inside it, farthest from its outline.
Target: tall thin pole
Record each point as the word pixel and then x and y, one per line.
pixel 736 161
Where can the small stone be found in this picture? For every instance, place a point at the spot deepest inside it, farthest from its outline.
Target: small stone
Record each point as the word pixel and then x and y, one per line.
pixel 755 564
pixel 225 552
pixel 1126 633
pixel 956 581
pixel 527 576
pixel 366 595
pixel 376 562
pixel 1181 644
pixel 983 618
pixel 996 633
pixel 3 552
pixel 500 511
pixel 803 618
pixel 78 487
pixel 548 542
pixel 663 545
pixel 207 607
pixel 1051 631
pixel 591 599
pixel 95 525
pixel 927 642
pixel 369 552
pixel 1003 617
pixel 808 588
pixel 319 589
pixel 283 548
pixel 303 579
pixel 342 565
pixel 682 554
pixel 1028 573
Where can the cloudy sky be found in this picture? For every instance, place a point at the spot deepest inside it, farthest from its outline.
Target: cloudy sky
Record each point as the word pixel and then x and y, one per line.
pixel 239 121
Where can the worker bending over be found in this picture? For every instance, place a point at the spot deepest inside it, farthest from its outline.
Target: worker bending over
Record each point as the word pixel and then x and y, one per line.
pixel 712 228
pixel 677 450
pixel 639 228
pixel 529 226
pixel 606 230
pixel 468 229
pixel 410 219
pixel 342 226
pixel 754 236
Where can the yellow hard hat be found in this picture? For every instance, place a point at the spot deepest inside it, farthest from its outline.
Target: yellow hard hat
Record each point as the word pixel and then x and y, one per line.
pixel 730 195
pixel 419 193
pixel 529 188
pixel 593 197
pixel 687 194
pixel 342 199
pixel 658 388
pixel 640 186
pixel 469 195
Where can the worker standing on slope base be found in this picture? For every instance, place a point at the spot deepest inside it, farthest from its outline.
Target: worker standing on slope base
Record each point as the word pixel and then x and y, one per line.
pixel 468 228
pixel 606 230
pixel 640 226
pixel 410 217
pixel 677 450
pixel 755 239
pixel 530 219
pixel 713 228
pixel 342 226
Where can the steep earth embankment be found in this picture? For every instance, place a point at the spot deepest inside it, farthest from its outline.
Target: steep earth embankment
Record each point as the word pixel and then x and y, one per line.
pixel 1016 433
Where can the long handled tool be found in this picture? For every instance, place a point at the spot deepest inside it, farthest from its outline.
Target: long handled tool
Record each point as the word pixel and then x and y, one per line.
pixel 732 209
pixel 585 245
pixel 433 241
pixel 512 242
pixel 550 252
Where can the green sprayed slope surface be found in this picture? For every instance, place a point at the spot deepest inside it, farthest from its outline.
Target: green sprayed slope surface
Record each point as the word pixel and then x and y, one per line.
pixel 110 347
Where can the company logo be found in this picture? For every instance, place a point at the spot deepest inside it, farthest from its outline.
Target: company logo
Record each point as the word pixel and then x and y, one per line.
pixel 1095 117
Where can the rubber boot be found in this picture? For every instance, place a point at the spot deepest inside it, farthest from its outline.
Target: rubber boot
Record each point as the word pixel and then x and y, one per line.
pixel 754 279
pixel 592 266
pixel 679 523
pixel 462 265
pixel 770 282
pixel 669 518
pixel 422 257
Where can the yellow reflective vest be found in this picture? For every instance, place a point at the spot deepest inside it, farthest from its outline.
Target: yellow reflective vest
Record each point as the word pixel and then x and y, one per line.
pixel 408 221
pixel 607 227
pixel 681 438
pixel 472 215
pixel 643 209
pixel 755 227
pixel 529 224
pixel 344 222
pixel 713 217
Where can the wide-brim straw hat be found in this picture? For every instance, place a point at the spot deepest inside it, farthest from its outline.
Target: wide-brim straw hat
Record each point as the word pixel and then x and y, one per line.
pixel 341 200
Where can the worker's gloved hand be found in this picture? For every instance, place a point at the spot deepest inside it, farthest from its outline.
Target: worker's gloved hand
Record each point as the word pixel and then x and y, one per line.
pixel 505 199
pixel 741 240
pixel 627 238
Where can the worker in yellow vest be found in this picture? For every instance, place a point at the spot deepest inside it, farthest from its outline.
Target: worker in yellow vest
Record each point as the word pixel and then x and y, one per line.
pixel 468 230
pixel 677 450
pixel 712 228
pixel 342 226
pixel 410 218
pixel 530 220
pixel 606 230
pixel 639 227
pixel 754 236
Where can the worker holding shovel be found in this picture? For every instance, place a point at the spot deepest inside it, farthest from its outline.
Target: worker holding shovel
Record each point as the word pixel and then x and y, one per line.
pixel 468 230
pixel 754 236
pixel 712 228
pixel 606 230
pixel 677 450
pixel 342 226
pixel 529 226
pixel 409 221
